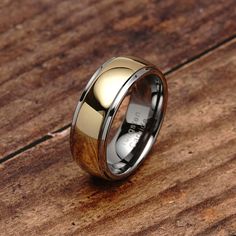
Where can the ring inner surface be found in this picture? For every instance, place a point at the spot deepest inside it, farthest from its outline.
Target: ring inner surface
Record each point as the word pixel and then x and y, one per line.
pixel 135 125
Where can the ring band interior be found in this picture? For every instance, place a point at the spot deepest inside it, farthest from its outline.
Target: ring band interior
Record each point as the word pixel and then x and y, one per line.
pixel 135 125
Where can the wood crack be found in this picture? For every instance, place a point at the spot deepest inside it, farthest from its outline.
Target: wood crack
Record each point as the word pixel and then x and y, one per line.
pixel 34 143
pixel 168 72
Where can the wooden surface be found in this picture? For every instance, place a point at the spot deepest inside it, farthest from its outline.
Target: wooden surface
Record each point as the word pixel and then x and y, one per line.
pixel 48 51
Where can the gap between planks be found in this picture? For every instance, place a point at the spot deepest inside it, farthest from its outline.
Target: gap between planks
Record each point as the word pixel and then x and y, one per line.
pixel 67 127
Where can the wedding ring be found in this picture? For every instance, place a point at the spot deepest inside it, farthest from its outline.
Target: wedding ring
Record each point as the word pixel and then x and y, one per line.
pixel 118 117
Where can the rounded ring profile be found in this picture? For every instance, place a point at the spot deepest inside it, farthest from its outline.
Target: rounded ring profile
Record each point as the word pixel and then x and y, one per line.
pixel 118 117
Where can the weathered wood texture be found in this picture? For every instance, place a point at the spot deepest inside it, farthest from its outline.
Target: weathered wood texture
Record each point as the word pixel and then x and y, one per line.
pixel 187 186
pixel 49 49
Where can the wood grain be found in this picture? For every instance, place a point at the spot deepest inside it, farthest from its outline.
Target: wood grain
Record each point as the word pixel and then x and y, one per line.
pixel 49 49
pixel 187 185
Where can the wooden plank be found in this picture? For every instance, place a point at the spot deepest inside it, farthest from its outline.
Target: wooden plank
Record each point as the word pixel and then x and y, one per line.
pixel 11 17
pixel 187 185
pixel 49 52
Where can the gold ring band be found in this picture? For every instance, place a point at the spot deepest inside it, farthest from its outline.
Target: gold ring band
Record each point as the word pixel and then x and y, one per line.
pixel 105 142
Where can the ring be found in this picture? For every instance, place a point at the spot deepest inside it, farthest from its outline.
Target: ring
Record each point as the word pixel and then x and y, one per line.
pixel 118 117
